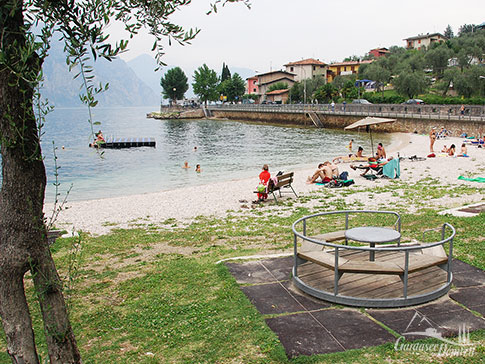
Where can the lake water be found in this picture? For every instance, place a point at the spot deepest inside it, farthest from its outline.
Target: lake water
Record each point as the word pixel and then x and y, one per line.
pixel 226 150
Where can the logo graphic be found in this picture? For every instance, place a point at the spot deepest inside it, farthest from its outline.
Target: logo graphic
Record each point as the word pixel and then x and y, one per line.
pixel 420 327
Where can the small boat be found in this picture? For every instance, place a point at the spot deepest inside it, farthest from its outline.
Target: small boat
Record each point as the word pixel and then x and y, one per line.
pixel 118 143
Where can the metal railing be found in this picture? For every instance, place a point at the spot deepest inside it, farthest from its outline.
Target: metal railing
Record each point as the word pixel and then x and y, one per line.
pixel 436 112
pixel 406 250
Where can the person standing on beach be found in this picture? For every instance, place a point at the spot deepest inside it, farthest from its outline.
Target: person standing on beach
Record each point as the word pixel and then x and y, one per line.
pixel 264 177
pixel 432 138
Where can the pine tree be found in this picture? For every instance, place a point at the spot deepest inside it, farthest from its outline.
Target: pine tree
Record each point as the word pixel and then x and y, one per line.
pixel 448 32
pixel 226 74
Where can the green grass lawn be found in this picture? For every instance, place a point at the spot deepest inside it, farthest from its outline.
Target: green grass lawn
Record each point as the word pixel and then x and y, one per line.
pixel 156 295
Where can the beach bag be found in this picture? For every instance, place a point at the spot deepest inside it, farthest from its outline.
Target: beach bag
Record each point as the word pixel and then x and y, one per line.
pixel 344 176
pixel 261 188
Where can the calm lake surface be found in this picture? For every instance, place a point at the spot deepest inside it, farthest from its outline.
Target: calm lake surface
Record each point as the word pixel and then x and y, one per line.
pixel 226 150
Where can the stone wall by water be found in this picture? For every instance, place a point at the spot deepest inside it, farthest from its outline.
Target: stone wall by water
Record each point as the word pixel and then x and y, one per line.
pixel 410 125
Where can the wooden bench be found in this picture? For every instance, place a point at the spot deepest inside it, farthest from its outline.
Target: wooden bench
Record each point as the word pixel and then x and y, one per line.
pixel 416 263
pixel 52 235
pixel 327 237
pixel 284 181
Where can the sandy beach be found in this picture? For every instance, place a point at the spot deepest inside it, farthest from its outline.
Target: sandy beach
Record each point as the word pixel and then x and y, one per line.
pixel 100 216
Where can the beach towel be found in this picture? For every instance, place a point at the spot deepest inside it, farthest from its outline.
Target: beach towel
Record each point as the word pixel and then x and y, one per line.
pixel 476 179
pixel 392 169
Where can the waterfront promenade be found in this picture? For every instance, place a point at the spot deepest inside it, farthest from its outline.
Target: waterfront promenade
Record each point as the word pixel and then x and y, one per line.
pixel 409 118
pixel 433 112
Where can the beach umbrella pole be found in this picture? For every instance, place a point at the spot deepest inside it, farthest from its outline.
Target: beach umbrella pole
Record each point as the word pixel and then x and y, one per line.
pixel 371 141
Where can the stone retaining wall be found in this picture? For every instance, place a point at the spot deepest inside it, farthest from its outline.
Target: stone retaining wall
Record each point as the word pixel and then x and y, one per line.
pixel 409 125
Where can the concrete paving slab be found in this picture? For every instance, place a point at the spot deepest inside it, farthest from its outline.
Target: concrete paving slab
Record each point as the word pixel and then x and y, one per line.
pixel 332 330
pixel 280 267
pixel 406 322
pixel 310 303
pixel 466 275
pixel 451 317
pixel 276 298
pixel 272 298
pixel 249 272
pixel 465 211
pixel 471 297
pixel 301 334
pixel 353 329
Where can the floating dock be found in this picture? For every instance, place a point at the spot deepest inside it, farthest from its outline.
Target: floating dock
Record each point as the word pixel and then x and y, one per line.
pixel 118 143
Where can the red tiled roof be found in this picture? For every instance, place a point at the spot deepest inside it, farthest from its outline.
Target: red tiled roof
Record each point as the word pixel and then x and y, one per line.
pixel 424 36
pixel 278 92
pixel 383 50
pixel 309 61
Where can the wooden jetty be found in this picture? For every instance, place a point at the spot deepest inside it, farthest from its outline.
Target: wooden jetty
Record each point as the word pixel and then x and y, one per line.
pixel 118 143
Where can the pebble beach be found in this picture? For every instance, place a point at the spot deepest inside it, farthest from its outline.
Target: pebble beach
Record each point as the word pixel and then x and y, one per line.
pixel 235 196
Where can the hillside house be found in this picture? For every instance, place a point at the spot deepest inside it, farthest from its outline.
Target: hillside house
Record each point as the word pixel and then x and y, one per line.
pixel 278 96
pixel 307 68
pixel 379 52
pixel 265 80
pixel 252 85
pixel 424 40
pixel 344 68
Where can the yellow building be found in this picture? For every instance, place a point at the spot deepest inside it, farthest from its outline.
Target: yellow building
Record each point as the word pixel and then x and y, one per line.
pixel 344 68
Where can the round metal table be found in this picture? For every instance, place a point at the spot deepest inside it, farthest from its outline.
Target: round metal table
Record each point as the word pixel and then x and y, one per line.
pixel 372 235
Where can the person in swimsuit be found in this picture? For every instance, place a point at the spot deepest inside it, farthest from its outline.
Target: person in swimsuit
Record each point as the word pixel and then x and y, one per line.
pixel 98 141
pixel 451 151
pixel 432 138
pixel 381 152
pixel 360 150
pixel 333 167
pixel 186 165
pixel 464 151
pixel 197 168
pixel 324 172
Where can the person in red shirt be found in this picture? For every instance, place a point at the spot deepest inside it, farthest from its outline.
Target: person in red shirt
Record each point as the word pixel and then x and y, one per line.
pixel 264 177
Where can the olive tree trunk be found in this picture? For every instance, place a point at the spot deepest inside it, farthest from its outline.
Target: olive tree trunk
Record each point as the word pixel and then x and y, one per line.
pixel 23 238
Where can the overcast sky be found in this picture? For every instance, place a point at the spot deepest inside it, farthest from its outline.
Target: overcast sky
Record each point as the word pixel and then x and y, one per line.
pixel 275 32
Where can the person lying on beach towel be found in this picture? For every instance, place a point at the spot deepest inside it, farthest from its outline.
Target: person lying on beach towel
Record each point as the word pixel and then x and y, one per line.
pixel 357 157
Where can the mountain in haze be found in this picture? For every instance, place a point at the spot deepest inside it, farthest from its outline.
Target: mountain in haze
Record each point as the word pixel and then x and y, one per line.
pixel 144 67
pixel 125 87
